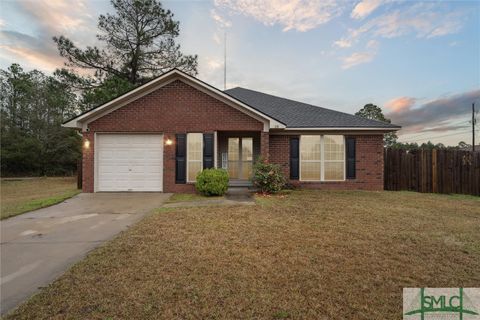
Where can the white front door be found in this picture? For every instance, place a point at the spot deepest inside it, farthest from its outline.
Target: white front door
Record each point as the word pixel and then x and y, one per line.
pixel 129 162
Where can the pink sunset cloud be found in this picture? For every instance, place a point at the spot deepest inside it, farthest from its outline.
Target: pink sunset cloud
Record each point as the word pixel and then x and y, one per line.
pixel 400 104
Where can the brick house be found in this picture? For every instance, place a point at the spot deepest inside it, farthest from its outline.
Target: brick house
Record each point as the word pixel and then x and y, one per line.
pixel 158 136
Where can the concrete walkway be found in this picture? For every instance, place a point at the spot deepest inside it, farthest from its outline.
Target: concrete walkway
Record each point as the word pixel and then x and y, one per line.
pixel 39 246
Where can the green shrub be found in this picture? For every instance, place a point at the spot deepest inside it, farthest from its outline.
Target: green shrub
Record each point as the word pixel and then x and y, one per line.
pixel 212 182
pixel 268 177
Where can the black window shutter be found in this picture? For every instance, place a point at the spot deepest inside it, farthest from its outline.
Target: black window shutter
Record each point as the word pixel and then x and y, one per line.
pixel 208 151
pixel 294 158
pixel 350 157
pixel 180 158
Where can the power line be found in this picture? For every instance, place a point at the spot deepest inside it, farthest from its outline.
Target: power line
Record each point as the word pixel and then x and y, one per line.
pixel 419 136
pixel 428 132
pixel 435 137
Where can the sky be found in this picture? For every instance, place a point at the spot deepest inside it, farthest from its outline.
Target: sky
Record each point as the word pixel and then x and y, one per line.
pixel 419 61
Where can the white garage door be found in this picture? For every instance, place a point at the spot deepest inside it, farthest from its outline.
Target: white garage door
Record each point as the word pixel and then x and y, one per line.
pixel 129 162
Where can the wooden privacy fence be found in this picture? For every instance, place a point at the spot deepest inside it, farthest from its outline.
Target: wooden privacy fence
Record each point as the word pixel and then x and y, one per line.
pixel 439 171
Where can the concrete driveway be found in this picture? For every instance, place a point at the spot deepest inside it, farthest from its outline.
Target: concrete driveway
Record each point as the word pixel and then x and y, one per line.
pixel 38 246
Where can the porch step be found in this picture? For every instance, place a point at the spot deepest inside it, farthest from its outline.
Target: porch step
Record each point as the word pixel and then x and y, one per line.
pixel 240 183
pixel 243 194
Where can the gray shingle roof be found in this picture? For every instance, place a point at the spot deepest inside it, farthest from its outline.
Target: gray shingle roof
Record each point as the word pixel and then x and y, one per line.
pixel 296 114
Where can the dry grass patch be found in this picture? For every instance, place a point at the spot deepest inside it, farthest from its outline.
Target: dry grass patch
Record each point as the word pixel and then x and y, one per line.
pixel 305 255
pixel 188 197
pixel 23 195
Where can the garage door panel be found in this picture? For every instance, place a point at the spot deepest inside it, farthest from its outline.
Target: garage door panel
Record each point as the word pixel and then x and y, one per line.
pixel 129 162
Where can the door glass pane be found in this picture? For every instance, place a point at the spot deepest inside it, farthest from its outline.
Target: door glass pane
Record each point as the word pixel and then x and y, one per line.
pixel 233 157
pixel 247 149
pixel 247 158
pixel 233 169
pixel 246 170
pixel 233 149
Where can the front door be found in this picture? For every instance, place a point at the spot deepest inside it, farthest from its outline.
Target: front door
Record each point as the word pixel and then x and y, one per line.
pixel 240 158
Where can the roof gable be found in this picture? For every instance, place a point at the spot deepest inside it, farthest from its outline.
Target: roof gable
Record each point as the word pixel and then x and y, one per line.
pixel 301 115
pixel 82 120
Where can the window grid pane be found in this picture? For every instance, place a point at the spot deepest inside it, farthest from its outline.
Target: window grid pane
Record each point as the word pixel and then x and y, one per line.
pixel 334 170
pixel 310 148
pixel 334 166
pixel 194 155
pixel 310 157
pixel 311 170
pixel 194 168
pixel 334 148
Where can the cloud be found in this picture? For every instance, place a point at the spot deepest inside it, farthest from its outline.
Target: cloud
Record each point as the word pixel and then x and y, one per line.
pixel 213 64
pixel 435 114
pixel 357 58
pixel 291 14
pixel 400 104
pixel 53 16
pixel 362 57
pixel 423 20
pixel 216 38
pixel 48 18
pixel 29 50
pixel 364 8
pixel 220 20
pixel 343 43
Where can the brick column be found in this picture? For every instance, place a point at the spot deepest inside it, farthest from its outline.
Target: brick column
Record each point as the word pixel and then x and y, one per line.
pixel 265 145
pixel 88 162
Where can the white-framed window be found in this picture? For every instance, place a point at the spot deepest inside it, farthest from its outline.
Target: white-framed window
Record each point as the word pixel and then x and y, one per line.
pixel 334 158
pixel 194 155
pixel 322 158
pixel 310 158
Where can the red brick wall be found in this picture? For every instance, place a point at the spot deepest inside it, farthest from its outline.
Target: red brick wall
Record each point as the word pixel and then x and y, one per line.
pixel 369 163
pixel 280 152
pixel 174 108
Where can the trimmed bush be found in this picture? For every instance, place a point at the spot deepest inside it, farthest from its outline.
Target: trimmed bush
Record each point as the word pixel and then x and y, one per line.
pixel 268 177
pixel 212 182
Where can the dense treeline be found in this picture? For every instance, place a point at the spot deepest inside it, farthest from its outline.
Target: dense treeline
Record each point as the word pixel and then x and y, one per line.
pixel 33 106
pixel 137 44
pixel 390 140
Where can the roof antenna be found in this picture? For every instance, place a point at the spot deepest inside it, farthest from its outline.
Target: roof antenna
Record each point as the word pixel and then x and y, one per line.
pixel 225 63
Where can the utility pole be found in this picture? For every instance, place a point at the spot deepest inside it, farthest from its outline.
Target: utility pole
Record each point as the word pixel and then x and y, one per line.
pixel 225 63
pixel 473 127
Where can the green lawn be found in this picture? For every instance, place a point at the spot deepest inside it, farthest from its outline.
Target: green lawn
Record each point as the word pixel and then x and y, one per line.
pixel 23 195
pixel 301 255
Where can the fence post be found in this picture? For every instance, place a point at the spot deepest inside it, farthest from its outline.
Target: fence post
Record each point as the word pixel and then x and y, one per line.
pixel 434 171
